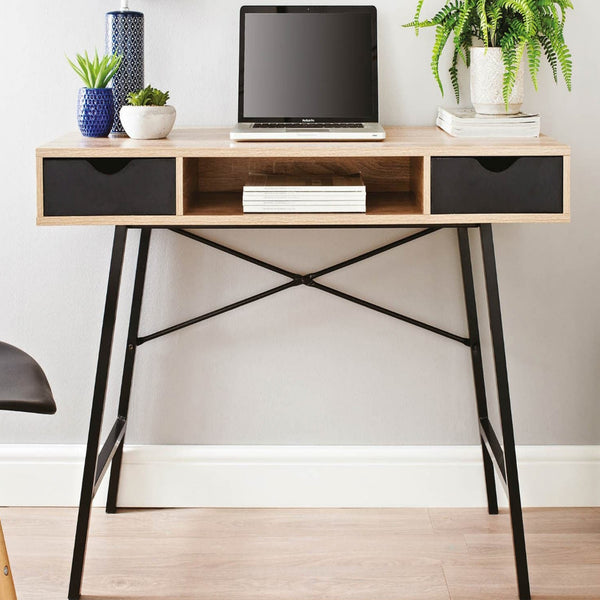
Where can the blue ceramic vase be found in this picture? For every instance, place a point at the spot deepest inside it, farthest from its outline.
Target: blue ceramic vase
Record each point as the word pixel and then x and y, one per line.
pixel 95 111
pixel 125 36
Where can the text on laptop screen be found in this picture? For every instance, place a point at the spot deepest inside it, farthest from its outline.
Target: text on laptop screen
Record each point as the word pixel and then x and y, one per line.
pixel 309 66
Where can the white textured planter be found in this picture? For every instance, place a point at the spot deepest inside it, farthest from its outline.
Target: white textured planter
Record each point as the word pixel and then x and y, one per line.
pixel 487 75
pixel 147 122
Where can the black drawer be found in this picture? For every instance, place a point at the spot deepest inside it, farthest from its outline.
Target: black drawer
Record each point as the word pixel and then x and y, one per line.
pixel 109 186
pixel 496 184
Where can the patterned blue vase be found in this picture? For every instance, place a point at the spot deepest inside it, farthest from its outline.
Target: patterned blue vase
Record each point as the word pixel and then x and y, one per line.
pixel 95 111
pixel 125 36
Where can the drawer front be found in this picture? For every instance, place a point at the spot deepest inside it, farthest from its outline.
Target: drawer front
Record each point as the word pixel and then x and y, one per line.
pixel 496 184
pixel 109 186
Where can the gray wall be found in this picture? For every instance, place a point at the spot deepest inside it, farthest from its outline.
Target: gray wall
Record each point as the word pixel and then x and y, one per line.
pixel 301 367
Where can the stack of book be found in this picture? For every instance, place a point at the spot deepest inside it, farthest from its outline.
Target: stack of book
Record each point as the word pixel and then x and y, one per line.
pixel 304 194
pixel 465 122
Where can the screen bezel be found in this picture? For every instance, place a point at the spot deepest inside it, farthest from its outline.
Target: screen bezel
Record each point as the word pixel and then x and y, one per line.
pixel 373 117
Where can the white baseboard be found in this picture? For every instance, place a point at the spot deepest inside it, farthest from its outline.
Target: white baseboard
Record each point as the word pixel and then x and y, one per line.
pixel 300 476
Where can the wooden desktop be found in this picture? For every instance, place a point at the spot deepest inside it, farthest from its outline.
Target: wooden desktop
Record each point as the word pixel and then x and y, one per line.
pixel 200 173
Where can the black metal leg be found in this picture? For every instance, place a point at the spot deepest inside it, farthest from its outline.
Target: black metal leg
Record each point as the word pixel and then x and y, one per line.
pixel 478 376
pixel 96 464
pixel 510 458
pixel 91 457
pixel 132 335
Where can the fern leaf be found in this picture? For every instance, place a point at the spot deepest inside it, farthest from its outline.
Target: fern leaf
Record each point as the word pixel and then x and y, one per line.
pixel 564 5
pixel 510 76
pixel 483 22
pixel 441 37
pixel 454 75
pixel 467 52
pixel 523 8
pixel 447 12
pixel 493 18
pixel 554 34
pixel 534 53
pixel 513 45
pixel 566 64
pixel 550 55
pixel 418 16
pixel 462 21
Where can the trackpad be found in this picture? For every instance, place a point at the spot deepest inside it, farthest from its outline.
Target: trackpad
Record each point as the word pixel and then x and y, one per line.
pixel 303 130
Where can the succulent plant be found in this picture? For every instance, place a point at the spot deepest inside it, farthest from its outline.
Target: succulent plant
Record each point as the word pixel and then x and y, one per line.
pixel 148 96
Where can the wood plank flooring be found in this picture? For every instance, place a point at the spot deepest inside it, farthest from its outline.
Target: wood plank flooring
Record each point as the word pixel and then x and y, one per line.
pixel 299 554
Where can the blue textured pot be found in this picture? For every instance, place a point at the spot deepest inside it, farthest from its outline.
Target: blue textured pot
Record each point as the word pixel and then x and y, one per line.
pixel 95 111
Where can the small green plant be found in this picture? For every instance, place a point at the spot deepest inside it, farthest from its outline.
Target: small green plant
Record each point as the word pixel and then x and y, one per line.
pixel 96 72
pixel 149 96
pixel 513 25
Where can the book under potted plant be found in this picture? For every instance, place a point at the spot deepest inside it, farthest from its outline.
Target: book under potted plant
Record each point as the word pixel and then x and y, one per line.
pixel 95 105
pixel 507 30
pixel 147 116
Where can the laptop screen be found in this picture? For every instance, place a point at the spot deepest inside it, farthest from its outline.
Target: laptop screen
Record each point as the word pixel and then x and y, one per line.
pixel 308 63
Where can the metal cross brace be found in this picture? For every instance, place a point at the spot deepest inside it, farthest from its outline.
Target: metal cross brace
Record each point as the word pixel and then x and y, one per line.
pixel 308 280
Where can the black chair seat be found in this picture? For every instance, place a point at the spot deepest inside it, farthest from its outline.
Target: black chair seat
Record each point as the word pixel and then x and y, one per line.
pixel 23 385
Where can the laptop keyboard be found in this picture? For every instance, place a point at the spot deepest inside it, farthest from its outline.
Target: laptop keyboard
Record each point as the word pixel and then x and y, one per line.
pixel 308 125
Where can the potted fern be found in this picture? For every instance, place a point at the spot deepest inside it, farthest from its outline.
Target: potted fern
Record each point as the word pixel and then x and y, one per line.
pixel 147 116
pixel 506 30
pixel 95 107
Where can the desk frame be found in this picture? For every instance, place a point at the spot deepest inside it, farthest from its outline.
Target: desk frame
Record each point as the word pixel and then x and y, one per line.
pixel 495 455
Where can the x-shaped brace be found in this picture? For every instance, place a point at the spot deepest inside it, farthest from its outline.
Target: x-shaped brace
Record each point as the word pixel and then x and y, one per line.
pixel 308 280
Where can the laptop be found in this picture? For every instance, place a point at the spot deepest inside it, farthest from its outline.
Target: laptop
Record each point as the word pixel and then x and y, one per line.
pixel 308 73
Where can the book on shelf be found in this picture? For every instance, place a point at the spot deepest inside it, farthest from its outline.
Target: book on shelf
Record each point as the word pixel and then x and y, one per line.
pixel 465 122
pixel 304 193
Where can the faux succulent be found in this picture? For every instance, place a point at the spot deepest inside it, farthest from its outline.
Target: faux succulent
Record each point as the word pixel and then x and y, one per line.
pixel 513 25
pixel 149 96
pixel 96 72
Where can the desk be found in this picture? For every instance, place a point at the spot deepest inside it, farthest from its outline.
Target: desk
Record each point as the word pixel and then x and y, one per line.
pixel 417 178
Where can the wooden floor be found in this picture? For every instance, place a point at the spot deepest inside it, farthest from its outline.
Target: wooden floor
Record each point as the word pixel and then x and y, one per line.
pixel 294 554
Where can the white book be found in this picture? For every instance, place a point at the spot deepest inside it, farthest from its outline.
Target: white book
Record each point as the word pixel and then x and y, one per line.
pixel 274 183
pixel 308 194
pixel 284 201
pixel 303 208
pixel 304 193
pixel 488 126
pixel 487 131
pixel 468 116
pixel 465 122
pixel 339 208
pixel 297 197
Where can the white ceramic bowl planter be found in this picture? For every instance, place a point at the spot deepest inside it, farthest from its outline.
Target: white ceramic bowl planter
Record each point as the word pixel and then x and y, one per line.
pixel 487 76
pixel 148 122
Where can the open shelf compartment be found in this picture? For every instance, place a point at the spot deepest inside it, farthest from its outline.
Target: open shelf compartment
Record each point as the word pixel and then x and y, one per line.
pixel 395 185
